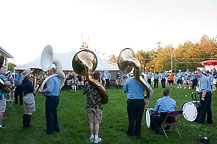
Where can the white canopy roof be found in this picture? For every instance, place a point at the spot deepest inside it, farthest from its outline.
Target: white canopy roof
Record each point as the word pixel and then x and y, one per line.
pixel 66 60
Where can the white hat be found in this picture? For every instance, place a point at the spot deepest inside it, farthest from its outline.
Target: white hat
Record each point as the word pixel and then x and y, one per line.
pixel 170 70
pixel 26 72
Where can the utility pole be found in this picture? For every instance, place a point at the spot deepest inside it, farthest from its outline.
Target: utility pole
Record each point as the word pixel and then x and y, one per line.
pixel 171 62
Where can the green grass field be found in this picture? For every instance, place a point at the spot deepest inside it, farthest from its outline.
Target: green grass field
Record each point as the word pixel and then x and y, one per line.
pixel 74 126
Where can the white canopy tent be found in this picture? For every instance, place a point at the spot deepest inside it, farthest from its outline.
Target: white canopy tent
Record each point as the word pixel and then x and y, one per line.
pixel 66 60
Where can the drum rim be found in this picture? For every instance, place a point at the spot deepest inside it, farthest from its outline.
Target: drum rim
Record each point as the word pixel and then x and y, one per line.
pixel 183 112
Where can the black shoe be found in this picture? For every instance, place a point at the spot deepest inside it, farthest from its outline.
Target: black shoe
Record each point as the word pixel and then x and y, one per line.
pixel 157 130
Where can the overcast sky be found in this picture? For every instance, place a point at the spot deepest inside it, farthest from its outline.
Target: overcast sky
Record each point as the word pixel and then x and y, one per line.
pixel 27 26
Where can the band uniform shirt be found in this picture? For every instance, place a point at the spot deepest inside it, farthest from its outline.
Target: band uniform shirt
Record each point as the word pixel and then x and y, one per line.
pixel 2 92
pixel 187 75
pixel 150 75
pixel 163 76
pixel 27 87
pixel 156 76
pixel 194 76
pixel 93 97
pixel 210 78
pixel 134 89
pixel 180 75
pixel 170 76
pixel 53 86
pixel 165 104
pixel 19 78
pixel 108 76
pixel 204 84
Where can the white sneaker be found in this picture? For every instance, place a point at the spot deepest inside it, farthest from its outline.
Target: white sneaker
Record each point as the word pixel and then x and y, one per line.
pixel 177 87
pixel 97 140
pixel 189 88
pixel 91 139
pixel 184 87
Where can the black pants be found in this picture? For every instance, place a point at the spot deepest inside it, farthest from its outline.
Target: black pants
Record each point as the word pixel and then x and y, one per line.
pixel 149 81
pixel 18 91
pixel 157 119
pixel 107 85
pixel 51 113
pixel 163 82
pixel 205 108
pixel 194 84
pixel 155 83
pixel 135 110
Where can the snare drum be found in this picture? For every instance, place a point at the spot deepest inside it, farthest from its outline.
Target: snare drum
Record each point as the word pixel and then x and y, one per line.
pixel 148 116
pixel 191 110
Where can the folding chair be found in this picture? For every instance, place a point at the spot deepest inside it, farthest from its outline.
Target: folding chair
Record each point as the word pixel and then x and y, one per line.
pixel 172 114
pixel 10 104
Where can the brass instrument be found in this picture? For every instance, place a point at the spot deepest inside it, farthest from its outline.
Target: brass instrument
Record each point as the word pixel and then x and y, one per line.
pixel 127 61
pixel 2 84
pixel 47 59
pixel 84 63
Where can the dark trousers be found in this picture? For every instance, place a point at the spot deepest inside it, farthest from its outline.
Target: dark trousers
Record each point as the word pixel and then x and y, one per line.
pixel 163 82
pixel 157 119
pixel 149 81
pixel 205 108
pixel 155 83
pixel 194 84
pixel 18 91
pixel 51 114
pixel 135 110
pixel 107 85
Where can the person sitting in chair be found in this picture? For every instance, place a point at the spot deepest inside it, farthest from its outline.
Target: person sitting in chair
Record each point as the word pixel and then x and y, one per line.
pixel 162 107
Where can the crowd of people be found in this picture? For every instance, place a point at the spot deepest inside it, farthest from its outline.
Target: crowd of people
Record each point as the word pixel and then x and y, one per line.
pixel 23 88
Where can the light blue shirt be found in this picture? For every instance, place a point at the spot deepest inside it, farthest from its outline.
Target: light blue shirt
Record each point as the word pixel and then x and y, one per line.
pixel 149 75
pixel 210 78
pixel 187 75
pixel 134 89
pixel 163 75
pixel 53 86
pixel 19 78
pixel 180 75
pixel 156 76
pixel 165 104
pixel 108 76
pixel 204 84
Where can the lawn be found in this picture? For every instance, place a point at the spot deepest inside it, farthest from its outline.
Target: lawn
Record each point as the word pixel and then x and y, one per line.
pixel 74 125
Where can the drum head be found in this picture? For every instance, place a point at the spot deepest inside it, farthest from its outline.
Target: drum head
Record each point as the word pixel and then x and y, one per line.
pixel 189 111
pixel 148 118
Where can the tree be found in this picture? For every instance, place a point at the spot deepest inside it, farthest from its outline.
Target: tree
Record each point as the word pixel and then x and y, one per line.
pixel 11 66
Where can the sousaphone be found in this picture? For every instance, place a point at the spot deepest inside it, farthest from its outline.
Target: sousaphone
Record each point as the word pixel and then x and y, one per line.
pixel 84 63
pixel 127 61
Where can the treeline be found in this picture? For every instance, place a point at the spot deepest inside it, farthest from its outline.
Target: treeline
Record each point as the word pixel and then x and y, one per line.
pixel 186 55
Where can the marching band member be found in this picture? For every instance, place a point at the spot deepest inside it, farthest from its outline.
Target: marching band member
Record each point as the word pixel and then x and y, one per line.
pixel 52 100
pixel 19 90
pixel 170 76
pixel 163 79
pixel 187 79
pixel 205 98
pixel 135 104
pixel 179 81
pixel 162 107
